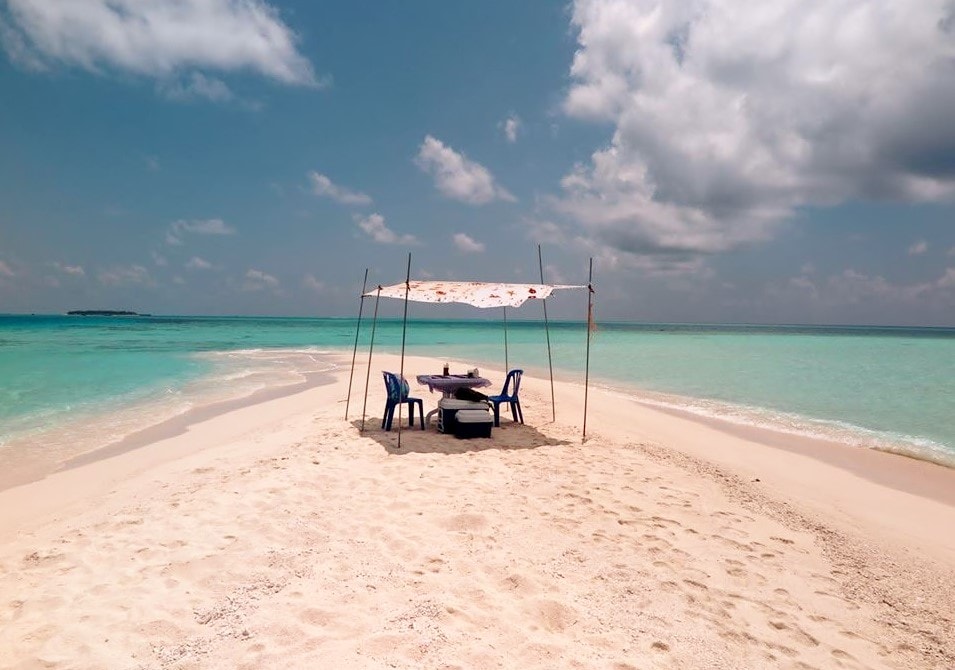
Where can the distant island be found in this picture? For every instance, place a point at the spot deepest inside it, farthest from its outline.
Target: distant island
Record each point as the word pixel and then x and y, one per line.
pixel 103 312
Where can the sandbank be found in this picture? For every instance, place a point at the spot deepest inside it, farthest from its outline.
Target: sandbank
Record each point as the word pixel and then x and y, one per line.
pixel 276 534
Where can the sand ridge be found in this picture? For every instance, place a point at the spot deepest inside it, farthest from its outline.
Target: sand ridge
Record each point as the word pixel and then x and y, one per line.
pixel 302 543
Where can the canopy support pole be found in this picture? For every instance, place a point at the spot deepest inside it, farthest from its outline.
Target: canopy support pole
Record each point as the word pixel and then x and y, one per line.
pixel 404 329
pixel 590 327
pixel 507 368
pixel 550 362
pixel 374 324
pixel 354 353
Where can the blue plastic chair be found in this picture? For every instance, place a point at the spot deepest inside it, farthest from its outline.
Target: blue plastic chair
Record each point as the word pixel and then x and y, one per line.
pixel 510 397
pixel 398 394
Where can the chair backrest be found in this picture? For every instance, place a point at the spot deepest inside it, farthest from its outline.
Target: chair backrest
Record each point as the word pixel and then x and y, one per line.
pixel 396 390
pixel 515 377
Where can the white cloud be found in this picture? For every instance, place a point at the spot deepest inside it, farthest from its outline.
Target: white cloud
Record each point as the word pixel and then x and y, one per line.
pixel 456 176
pixel 511 127
pixel 322 186
pixel 197 85
pixel 374 225
pixel 155 39
pixel 256 280
pixel 72 270
pixel 554 275
pixel 466 244
pixel 947 280
pixel 159 259
pixel 125 275
pixel 197 263
pixel 951 252
pixel 311 283
pixel 177 229
pixel 729 115
pixel 5 270
pixel 851 287
pixel 918 248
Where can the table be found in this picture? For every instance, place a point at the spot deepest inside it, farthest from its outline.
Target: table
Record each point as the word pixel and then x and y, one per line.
pixel 448 385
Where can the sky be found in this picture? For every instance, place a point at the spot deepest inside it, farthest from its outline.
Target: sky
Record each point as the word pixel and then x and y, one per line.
pixel 722 161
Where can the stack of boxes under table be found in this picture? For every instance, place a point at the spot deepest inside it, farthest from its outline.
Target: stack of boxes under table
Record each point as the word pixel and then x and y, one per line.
pixel 464 418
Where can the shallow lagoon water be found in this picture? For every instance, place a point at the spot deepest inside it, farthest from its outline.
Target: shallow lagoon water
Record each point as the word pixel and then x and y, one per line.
pixel 886 388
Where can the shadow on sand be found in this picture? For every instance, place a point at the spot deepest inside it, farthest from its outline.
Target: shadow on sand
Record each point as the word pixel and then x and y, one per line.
pixel 509 436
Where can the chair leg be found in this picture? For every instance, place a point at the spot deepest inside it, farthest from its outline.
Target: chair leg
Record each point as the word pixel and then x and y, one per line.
pixel 421 412
pixel 389 415
pixel 520 412
pixel 497 415
pixel 410 414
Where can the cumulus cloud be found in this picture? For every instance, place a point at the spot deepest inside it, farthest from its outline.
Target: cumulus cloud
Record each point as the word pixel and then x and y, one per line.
pixel 155 39
pixel 851 287
pixel 256 280
pixel 5 270
pixel 311 283
pixel 197 85
pixel 197 263
pixel 125 275
pixel 947 280
pixel 456 176
pixel 729 115
pixel 72 270
pixel 511 127
pixel 322 186
pixel 466 244
pixel 180 228
pixel 374 226
pixel 918 248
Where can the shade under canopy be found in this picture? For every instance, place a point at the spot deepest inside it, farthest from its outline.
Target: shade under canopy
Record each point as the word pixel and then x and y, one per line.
pixel 476 293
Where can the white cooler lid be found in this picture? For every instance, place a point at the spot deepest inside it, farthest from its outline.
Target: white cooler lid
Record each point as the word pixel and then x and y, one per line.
pixel 454 403
pixel 473 416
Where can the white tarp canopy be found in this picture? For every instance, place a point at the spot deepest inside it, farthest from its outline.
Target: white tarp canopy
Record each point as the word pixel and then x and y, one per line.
pixel 478 294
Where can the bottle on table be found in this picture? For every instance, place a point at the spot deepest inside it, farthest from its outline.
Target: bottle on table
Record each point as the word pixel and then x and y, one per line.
pixel 447 369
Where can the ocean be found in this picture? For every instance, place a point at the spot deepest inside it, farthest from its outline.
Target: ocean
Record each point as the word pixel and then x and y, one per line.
pixel 71 384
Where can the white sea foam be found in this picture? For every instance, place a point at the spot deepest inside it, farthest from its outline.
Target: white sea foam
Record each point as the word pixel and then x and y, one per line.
pixel 795 424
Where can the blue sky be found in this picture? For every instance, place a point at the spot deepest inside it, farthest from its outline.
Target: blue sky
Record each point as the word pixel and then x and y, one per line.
pixel 789 163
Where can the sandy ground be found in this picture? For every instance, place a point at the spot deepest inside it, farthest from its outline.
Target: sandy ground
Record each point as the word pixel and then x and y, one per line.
pixel 277 535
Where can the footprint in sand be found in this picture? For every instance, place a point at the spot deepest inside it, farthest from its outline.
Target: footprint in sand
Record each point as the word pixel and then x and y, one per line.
pixel 553 616
pixel 465 522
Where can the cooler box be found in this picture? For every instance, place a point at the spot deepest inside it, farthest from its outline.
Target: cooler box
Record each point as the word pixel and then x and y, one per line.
pixel 449 407
pixel 470 423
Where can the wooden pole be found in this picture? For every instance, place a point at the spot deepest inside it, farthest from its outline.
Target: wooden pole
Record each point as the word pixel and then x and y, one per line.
pixel 507 368
pixel 404 329
pixel 590 324
pixel 354 353
pixel 550 362
pixel 374 325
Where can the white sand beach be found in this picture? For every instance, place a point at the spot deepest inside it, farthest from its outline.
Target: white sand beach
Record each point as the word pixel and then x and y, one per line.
pixel 278 535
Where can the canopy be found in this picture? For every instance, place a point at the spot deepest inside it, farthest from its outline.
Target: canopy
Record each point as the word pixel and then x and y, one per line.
pixel 476 293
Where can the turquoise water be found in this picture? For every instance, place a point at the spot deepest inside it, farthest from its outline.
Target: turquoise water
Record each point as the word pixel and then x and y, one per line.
pixel 69 384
